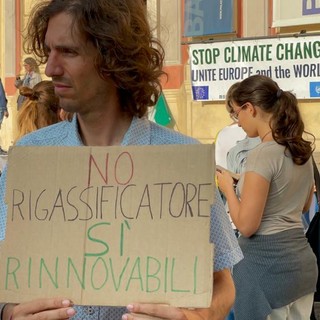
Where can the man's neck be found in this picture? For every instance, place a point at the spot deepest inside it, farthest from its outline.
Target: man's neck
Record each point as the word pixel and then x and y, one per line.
pixel 104 129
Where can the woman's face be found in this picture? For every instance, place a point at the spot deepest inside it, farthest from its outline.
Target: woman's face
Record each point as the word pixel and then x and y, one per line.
pixel 27 67
pixel 243 116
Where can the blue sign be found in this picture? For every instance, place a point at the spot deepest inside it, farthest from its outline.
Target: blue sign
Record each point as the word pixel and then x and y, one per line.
pixel 314 89
pixel 310 7
pixel 205 17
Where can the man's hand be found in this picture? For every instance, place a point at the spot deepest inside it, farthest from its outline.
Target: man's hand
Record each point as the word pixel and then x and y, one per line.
pixel 6 114
pixel 143 311
pixel 50 309
pixel 222 300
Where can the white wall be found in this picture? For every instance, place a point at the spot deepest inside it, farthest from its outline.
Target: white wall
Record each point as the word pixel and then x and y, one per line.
pixel 255 18
pixel 165 17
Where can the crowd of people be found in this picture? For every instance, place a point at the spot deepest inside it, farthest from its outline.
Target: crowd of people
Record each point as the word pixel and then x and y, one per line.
pixel 106 68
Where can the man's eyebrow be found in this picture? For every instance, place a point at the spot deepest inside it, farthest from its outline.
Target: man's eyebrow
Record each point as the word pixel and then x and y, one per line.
pixel 62 47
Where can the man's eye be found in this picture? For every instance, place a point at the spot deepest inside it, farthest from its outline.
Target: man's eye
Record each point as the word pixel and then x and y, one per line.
pixel 68 52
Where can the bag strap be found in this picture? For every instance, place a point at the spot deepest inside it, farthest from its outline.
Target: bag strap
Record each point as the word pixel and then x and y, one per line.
pixel 316 179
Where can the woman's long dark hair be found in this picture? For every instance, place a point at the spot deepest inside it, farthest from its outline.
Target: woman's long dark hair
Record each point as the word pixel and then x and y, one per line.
pixel 286 122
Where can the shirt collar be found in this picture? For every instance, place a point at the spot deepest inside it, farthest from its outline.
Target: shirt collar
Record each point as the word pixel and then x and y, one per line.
pixel 138 133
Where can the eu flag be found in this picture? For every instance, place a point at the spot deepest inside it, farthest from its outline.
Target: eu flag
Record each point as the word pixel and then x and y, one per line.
pixel 200 92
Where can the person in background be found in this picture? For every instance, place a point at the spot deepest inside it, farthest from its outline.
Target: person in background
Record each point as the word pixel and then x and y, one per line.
pixel 40 108
pixel 31 78
pixel 3 104
pixel 3 109
pixel 226 139
pixel 106 68
pixel 237 154
pixel 228 136
pixel 279 270
pixel 232 146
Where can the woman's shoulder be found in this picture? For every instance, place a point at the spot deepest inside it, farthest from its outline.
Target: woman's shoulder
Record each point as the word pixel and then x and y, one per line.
pixel 267 147
pixel 266 153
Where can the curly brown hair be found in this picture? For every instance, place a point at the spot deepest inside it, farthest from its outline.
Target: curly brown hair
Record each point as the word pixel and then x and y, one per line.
pixel 127 52
pixel 286 122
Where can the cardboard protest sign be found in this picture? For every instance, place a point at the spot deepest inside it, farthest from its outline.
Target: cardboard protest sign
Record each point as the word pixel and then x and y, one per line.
pixel 109 225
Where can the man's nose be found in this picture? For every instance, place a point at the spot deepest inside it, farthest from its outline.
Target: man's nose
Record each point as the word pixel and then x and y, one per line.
pixel 53 67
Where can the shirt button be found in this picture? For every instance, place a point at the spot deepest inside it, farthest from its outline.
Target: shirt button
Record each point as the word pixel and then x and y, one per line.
pixel 90 310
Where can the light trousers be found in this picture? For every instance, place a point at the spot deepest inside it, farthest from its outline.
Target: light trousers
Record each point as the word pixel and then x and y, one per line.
pixel 297 310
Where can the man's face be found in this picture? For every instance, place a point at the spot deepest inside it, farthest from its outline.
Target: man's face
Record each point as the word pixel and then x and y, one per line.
pixel 71 66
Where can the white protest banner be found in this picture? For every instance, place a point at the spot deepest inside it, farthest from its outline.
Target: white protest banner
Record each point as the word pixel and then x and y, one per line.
pixel 292 62
pixel 109 225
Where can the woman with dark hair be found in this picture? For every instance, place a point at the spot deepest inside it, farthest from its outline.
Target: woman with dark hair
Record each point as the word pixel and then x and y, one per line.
pixel 277 277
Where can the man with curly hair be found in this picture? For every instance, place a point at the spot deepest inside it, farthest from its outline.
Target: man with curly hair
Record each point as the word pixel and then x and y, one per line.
pixel 106 68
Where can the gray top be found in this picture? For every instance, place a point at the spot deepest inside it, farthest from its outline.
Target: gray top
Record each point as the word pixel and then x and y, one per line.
pixel 290 186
